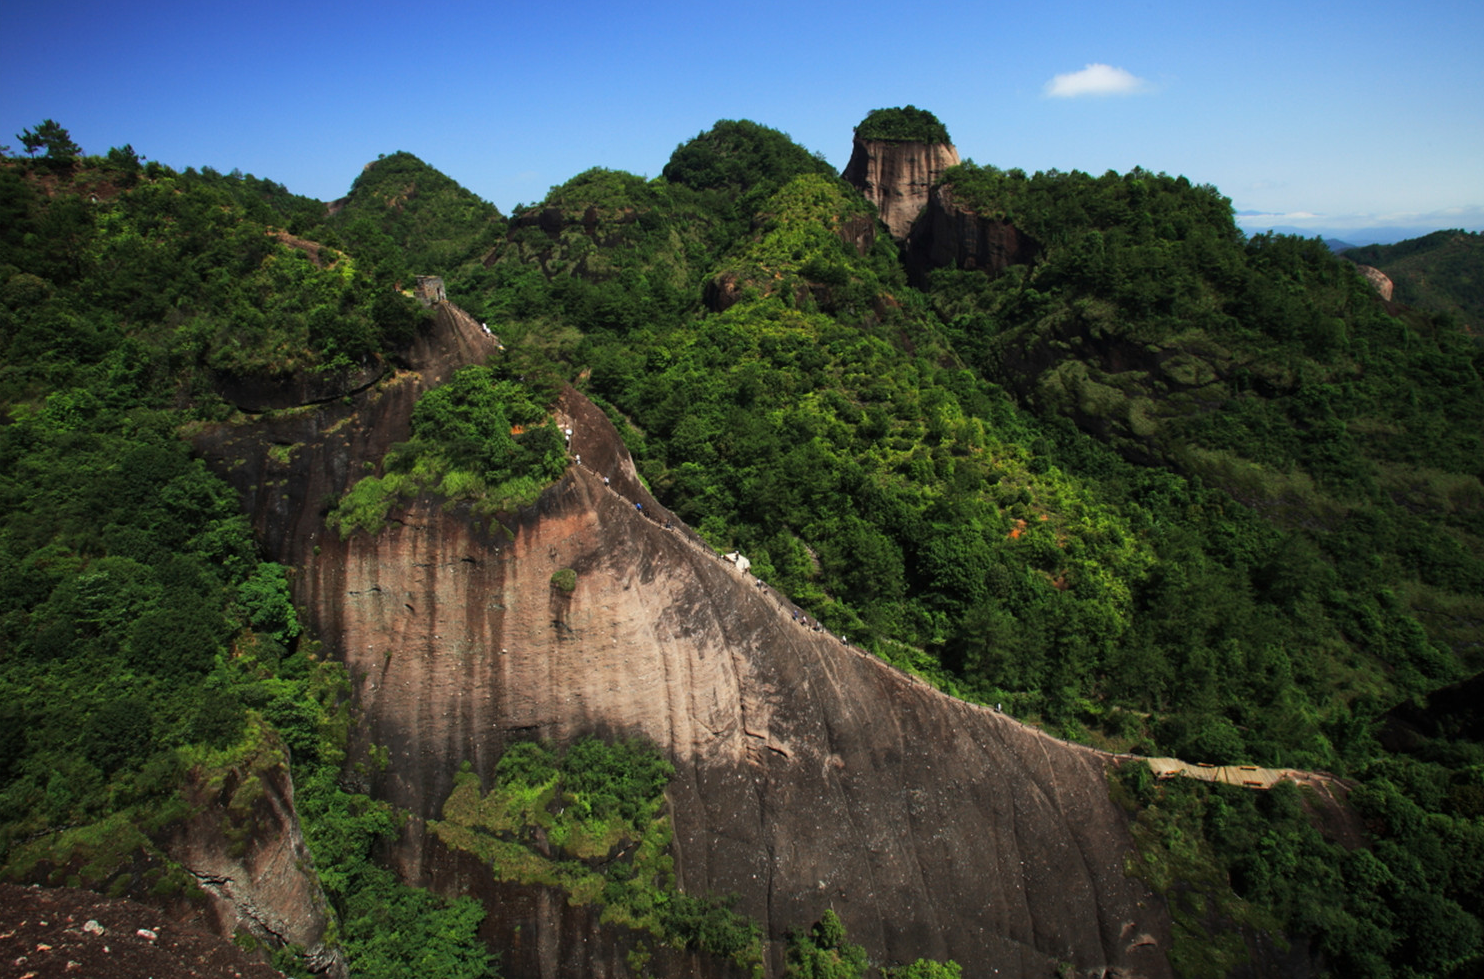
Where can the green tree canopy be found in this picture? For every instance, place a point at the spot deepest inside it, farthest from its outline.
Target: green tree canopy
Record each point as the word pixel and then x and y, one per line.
pixel 50 136
pixel 907 124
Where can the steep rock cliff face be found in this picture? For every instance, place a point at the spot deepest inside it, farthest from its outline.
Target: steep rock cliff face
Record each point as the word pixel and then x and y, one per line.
pixel 896 177
pixel 948 234
pixel 320 449
pixel 810 774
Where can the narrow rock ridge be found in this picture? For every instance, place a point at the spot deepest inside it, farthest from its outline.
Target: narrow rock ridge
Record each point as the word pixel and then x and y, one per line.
pixel 810 774
pixel 243 846
pixel 896 177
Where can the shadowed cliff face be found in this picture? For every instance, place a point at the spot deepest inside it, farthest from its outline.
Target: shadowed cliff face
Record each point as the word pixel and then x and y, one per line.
pixel 810 775
pixel 896 177
pixel 949 235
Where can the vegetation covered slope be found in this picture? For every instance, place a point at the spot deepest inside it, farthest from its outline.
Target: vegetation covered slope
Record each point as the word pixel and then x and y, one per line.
pixel 403 218
pixel 144 646
pixel 1165 489
pixel 1442 272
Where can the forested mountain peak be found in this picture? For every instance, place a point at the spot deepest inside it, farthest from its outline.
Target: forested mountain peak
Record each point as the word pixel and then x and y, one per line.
pixel 407 218
pixel 905 124
pixel 742 163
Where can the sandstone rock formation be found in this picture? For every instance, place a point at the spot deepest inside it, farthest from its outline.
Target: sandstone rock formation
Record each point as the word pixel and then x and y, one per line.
pixel 948 234
pixel 1378 280
pixel 243 846
pixel 810 774
pixel 896 177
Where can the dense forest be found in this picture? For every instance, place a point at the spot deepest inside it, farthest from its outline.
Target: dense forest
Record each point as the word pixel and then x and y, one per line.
pixel 1164 489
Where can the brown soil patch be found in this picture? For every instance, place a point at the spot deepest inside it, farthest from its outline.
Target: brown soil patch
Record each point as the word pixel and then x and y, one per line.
pixel 48 932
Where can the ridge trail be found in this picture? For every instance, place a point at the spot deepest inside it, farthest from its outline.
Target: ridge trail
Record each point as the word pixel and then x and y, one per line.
pixel 1245 776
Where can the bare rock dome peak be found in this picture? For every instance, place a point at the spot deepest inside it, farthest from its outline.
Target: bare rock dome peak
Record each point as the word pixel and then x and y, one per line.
pixel 896 157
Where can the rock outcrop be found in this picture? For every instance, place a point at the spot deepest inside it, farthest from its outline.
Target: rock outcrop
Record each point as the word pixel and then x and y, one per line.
pixel 1378 280
pixel 896 177
pixel 948 234
pixel 243 846
pixel 809 774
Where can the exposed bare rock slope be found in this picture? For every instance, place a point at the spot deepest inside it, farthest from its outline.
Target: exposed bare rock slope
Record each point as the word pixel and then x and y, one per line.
pixel 896 177
pixel 1379 281
pixel 810 775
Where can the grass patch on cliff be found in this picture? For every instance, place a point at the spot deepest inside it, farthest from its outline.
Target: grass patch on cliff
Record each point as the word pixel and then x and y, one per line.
pixel 591 820
pixel 481 437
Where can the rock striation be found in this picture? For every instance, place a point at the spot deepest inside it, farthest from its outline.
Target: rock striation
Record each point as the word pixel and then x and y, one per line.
pixel 896 177
pixel 810 774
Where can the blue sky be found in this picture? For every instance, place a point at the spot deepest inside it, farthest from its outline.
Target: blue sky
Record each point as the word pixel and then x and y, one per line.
pixel 1361 114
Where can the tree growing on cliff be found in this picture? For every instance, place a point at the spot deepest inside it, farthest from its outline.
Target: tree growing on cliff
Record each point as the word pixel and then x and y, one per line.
pixel 823 953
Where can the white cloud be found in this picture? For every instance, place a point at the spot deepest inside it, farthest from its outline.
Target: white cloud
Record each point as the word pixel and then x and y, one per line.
pixel 1095 79
pixel 1258 217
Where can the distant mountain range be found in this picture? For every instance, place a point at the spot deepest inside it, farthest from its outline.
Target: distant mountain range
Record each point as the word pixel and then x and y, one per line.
pixel 1341 239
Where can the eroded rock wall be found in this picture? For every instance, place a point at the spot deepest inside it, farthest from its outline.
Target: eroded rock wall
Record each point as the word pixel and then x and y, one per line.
pixel 896 177
pixel 811 775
